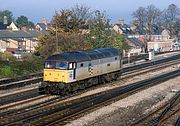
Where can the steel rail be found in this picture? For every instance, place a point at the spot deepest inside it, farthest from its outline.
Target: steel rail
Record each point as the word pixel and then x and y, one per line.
pixel 166 106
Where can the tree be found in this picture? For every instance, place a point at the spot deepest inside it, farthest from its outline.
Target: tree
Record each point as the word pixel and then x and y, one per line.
pixel 170 17
pixel 101 35
pixel 152 15
pixel 119 42
pixel 22 21
pixel 148 18
pixel 66 34
pixel 66 42
pixel 7 13
pixel 140 14
pixel 71 20
pixel 152 19
pixel 31 24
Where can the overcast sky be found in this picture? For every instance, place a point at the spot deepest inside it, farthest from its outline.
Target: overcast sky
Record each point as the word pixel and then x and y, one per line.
pixel 35 10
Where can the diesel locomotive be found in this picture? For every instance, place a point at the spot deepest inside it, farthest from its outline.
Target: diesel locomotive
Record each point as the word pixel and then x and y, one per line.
pixel 69 72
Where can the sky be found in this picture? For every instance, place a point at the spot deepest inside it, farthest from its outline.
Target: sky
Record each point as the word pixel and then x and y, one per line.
pixel 35 10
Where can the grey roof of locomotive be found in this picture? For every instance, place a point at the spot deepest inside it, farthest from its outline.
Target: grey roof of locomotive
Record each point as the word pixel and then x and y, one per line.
pixel 80 56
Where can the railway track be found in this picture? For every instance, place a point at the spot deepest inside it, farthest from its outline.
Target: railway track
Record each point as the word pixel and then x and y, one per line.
pixel 59 112
pixel 10 80
pixel 27 94
pixel 162 113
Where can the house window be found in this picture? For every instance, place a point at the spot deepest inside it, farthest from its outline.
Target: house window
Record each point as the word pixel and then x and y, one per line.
pixel 82 65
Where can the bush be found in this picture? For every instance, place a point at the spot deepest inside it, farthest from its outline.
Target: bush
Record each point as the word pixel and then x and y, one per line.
pixel 6 71
pixel 7 56
pixel 29 64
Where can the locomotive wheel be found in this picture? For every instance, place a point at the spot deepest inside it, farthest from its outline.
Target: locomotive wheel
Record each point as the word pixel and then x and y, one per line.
pixel 115 76
pixel 64 91
pixel 108 77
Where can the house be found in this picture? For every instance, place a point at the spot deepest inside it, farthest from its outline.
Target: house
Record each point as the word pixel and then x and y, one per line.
pixel 41 27
pixel 26 28
pixel 135 46
pixel 166 34
pixel 161 43
pixel 122 28
pixel 13 27
pixel 3 26
pixel 18 40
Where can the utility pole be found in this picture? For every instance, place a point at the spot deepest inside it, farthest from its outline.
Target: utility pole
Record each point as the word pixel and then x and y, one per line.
pixel 57 48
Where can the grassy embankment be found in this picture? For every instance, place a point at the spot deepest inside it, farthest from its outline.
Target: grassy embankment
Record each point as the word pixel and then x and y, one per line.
pixel 14 68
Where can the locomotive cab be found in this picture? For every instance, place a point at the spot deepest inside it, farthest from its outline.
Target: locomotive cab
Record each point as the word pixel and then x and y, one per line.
pixel 59 71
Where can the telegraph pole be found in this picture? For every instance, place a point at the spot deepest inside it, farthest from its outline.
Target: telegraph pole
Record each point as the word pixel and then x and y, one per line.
pixel 57 48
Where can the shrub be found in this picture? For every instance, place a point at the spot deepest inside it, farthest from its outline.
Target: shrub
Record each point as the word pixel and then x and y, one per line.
pixel 7 56
pixel 6 71
pixel 29 64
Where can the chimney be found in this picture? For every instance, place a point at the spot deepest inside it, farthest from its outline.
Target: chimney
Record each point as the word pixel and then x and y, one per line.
pixel 121 21
pixel 44 20
pixel 5 20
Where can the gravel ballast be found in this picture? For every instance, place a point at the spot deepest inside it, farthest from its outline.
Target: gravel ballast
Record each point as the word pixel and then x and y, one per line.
pixel 124 112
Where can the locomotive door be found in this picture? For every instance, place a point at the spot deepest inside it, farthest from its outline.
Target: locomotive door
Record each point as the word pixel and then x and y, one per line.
pixel 72 71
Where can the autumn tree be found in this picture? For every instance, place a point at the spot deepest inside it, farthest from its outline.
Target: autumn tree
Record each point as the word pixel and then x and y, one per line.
pixel 65 35
pixel 77 28
pixel 71 20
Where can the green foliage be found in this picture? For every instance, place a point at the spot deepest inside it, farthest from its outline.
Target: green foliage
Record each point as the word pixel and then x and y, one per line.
pixel 23 67
pixel 6 71
pixel 71 20
pixel 119 42
pixel 7 13
pixel 7 56
pixel 100 33
pixel 31 24
pixel 22 21
pixel 67 33
pixel 65 41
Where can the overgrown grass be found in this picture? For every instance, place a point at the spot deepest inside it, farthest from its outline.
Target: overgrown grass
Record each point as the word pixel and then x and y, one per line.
pixel 14 68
